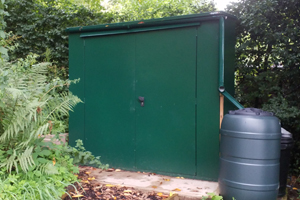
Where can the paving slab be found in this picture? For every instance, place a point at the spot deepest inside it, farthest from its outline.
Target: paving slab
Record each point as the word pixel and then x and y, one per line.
pixel 187 189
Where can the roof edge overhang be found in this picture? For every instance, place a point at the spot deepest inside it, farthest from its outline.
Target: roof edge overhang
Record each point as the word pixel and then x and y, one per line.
pixel 152 22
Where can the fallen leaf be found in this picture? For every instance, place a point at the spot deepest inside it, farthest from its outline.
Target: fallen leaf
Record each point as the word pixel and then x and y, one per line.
pixel 166 179
pixel 87 172
pixel 76 175
pixel 106 26
pixel 181 177
pixel 84 181
pixel 86 189
pixel 126 194
pixel 110 170
pixel 159 194
pixel 176 189
pixel 109 185
pixel 92 178
pixel 154 186
pixel 117 170
pixel 53 161
pixel 160 183
pixel 295 188
pixel 127 191
pixel 177 177
pixel 172 193
pixel 78 195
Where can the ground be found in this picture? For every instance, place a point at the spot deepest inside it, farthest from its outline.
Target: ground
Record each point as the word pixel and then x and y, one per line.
pixel 293 188
pixel 118 184
pixel 91 189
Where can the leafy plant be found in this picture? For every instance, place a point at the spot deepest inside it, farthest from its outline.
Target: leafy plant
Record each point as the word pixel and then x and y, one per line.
pixel 29 107
pixel 82 157
pixel 212 196
pixel 53 171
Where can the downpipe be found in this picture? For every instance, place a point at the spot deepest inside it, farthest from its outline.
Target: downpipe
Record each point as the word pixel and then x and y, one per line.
pixel 222 89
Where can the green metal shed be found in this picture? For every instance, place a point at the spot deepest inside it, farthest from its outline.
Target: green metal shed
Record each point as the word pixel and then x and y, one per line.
pixel 150 92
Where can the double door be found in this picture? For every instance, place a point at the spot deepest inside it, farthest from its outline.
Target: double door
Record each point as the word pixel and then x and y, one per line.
pixel 140 100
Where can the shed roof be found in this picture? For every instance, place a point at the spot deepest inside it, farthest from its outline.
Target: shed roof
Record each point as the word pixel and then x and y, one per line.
pixel 193 18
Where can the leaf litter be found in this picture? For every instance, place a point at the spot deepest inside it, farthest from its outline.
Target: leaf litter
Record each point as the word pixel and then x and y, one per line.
pixel 90 189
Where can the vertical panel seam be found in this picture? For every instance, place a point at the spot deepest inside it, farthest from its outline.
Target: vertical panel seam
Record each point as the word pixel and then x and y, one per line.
pixel 196 71
pixel 84 103
pixel 134 100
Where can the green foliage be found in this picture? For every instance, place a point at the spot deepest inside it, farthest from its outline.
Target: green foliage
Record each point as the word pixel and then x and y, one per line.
pixel 3 50
pixel 46 180
pixel 29 108
pixel 268 55
pixel 82 157
pixel 131 10
pixel 41 25
pixel 212 196
pixel 90 4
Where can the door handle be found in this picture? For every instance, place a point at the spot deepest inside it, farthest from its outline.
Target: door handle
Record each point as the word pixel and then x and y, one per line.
pixel 142 99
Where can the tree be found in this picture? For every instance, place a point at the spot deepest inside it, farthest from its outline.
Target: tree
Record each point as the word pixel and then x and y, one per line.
pixel 268 55
pixel 41 25
pixel 131 10
pixel 90 4
pixel 268 58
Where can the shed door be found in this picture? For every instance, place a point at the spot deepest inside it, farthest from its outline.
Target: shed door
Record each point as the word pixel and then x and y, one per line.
pixel 159 66
pixel 109 99
pixel 166 78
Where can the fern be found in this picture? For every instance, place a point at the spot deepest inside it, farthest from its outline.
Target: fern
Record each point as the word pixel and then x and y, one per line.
pixel 29 108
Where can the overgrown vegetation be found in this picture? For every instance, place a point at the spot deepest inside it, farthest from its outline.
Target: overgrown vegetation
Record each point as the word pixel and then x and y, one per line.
pixel 268 61
pixel 31 107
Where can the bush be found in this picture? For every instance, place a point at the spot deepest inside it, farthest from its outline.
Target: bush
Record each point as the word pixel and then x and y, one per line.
pixel 41 26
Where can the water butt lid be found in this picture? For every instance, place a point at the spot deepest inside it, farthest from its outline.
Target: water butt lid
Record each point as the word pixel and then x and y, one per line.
pixel 250 111
pixel 286 137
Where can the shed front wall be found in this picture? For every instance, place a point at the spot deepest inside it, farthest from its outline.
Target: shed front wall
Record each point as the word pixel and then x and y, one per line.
pixel 176 132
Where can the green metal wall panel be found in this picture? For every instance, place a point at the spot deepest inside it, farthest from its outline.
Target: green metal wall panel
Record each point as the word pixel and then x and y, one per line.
pixel 208 101
pixel 109 99
pixel 76 70
pixel 165 76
